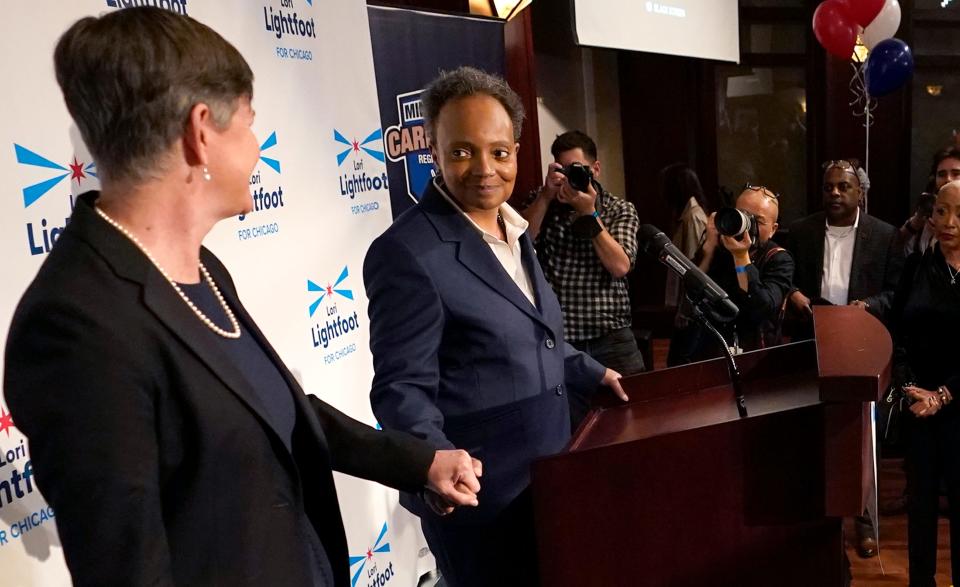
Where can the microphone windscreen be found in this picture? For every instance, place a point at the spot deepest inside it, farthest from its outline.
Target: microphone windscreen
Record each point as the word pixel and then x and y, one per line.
pixel 652 239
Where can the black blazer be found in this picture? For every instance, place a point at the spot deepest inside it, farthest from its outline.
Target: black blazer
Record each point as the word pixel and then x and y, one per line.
pixel 152 448
pixel 877 260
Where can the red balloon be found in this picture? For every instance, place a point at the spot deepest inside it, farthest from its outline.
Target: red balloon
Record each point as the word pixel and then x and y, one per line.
pixel 835 29
pixel 863 11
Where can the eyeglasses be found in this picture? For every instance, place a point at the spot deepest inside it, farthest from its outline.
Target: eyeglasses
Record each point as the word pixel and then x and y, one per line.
pixel 765 191
pixel 850 165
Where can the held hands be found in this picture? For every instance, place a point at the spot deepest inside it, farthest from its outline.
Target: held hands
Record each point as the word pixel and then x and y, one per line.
pixel 452 481
pixel 860 304
pixel 612 380
pixel 926 404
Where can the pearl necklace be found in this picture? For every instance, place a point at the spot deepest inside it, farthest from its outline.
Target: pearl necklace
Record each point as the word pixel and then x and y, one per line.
pixel 235 325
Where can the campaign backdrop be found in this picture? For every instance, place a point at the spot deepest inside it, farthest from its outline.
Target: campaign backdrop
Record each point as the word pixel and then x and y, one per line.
pixel 410 48
pixel 320 192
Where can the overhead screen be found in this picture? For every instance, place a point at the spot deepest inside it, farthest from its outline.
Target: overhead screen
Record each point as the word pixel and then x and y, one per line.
pixel 692 28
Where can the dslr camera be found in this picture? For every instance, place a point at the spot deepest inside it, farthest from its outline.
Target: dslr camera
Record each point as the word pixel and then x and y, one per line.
pixel 579 176
pixel 736 223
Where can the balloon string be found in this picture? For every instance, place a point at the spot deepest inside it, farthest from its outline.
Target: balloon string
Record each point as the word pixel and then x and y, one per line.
pixel 863 105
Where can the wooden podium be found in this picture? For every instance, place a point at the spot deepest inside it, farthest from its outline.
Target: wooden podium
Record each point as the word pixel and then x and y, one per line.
pixel 673 488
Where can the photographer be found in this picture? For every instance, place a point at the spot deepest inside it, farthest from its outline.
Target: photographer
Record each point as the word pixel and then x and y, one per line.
pixel 751 268
pixel 917 232
pixel 586 241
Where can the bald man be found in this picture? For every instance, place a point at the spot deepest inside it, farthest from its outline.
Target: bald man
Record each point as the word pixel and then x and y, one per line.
pixel 756 275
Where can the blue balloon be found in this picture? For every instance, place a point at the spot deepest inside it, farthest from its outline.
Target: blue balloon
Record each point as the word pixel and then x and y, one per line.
pixel 889 65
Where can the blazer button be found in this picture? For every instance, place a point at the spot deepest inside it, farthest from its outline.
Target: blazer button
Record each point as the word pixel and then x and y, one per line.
pixel 550 344
pixel 559 390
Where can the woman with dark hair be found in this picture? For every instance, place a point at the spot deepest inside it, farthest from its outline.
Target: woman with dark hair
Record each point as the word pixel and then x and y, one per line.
pixel 173 443
pixel 926 316
pixel 467 335
pixel 680 188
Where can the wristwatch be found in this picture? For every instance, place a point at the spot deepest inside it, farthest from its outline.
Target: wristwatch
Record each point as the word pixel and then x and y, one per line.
pixel 587 227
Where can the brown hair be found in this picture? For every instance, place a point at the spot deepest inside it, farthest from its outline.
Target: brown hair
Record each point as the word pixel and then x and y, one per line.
pixel 574 139
pixel 130 78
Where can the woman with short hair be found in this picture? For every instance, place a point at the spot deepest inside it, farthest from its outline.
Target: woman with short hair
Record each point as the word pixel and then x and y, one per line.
pixel 467 335
pixel 927 319
pixel 172 442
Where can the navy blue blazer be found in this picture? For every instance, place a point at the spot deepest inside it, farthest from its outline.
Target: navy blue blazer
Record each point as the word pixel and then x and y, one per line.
pixel 461 357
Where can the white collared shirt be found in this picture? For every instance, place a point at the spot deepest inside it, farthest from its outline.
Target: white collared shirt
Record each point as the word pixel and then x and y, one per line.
pixel 508 253
pixel 838 243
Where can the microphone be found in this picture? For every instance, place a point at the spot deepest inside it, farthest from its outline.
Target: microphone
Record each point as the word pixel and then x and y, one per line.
pixel 702 291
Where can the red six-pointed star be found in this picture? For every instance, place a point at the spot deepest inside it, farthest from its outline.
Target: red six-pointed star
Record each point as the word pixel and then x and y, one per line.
pixel 329 290
pixel 356 146
pixel 6 422
pixel 369 553
pixel 76 170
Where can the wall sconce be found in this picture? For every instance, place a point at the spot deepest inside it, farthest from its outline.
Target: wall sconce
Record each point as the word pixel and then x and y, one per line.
pixel 860 51
pixel 505 9
pixel 934 90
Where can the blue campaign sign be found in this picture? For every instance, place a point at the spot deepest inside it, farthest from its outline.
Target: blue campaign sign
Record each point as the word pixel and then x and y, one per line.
pixel 407 55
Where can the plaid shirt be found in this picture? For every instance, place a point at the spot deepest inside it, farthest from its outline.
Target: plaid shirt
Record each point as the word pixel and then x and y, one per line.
pixel 593 302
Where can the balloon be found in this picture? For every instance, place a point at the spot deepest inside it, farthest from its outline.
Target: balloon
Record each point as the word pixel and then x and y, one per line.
pixel 863 11
pixel 884 26
pixel 889 65
pixel 834 28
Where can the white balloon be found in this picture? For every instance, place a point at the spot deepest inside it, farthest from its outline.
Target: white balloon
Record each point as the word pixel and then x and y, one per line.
pixel 884 26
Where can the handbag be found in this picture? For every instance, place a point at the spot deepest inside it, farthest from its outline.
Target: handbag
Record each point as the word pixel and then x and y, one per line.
pixel 893 411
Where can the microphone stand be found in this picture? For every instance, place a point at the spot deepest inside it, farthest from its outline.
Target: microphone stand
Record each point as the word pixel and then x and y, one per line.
pixel 702 318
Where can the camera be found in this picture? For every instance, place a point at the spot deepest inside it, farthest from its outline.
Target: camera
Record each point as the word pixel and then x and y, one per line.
pixel 925 204
pixel 579 176
pixel 734 222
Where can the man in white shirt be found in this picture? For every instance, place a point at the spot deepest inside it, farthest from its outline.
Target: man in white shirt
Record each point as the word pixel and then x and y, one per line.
pixel 844 256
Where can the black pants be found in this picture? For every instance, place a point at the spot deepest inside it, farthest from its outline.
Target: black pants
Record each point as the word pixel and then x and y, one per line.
pixel 932 455
pixel 615 350
pixel 501 553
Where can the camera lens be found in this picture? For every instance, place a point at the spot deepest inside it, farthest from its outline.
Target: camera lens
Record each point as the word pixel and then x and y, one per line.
pixel 731 222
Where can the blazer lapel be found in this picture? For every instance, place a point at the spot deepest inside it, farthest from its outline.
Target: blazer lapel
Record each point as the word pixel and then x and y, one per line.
pixel 474 254
pixel 299 397
pixel 166 305
pixel 860 244
pixel 816 259
pixel 128 262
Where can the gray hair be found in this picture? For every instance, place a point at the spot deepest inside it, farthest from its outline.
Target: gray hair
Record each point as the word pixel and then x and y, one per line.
pixel 130 79
pixel 864 180
pixel 469 81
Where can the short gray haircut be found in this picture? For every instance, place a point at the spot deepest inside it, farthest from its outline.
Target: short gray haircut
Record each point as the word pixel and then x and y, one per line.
pixel 131 77
pixel 469 81
pixel 864 179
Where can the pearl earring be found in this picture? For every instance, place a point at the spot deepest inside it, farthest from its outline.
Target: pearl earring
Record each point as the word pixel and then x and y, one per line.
pixel 206 174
